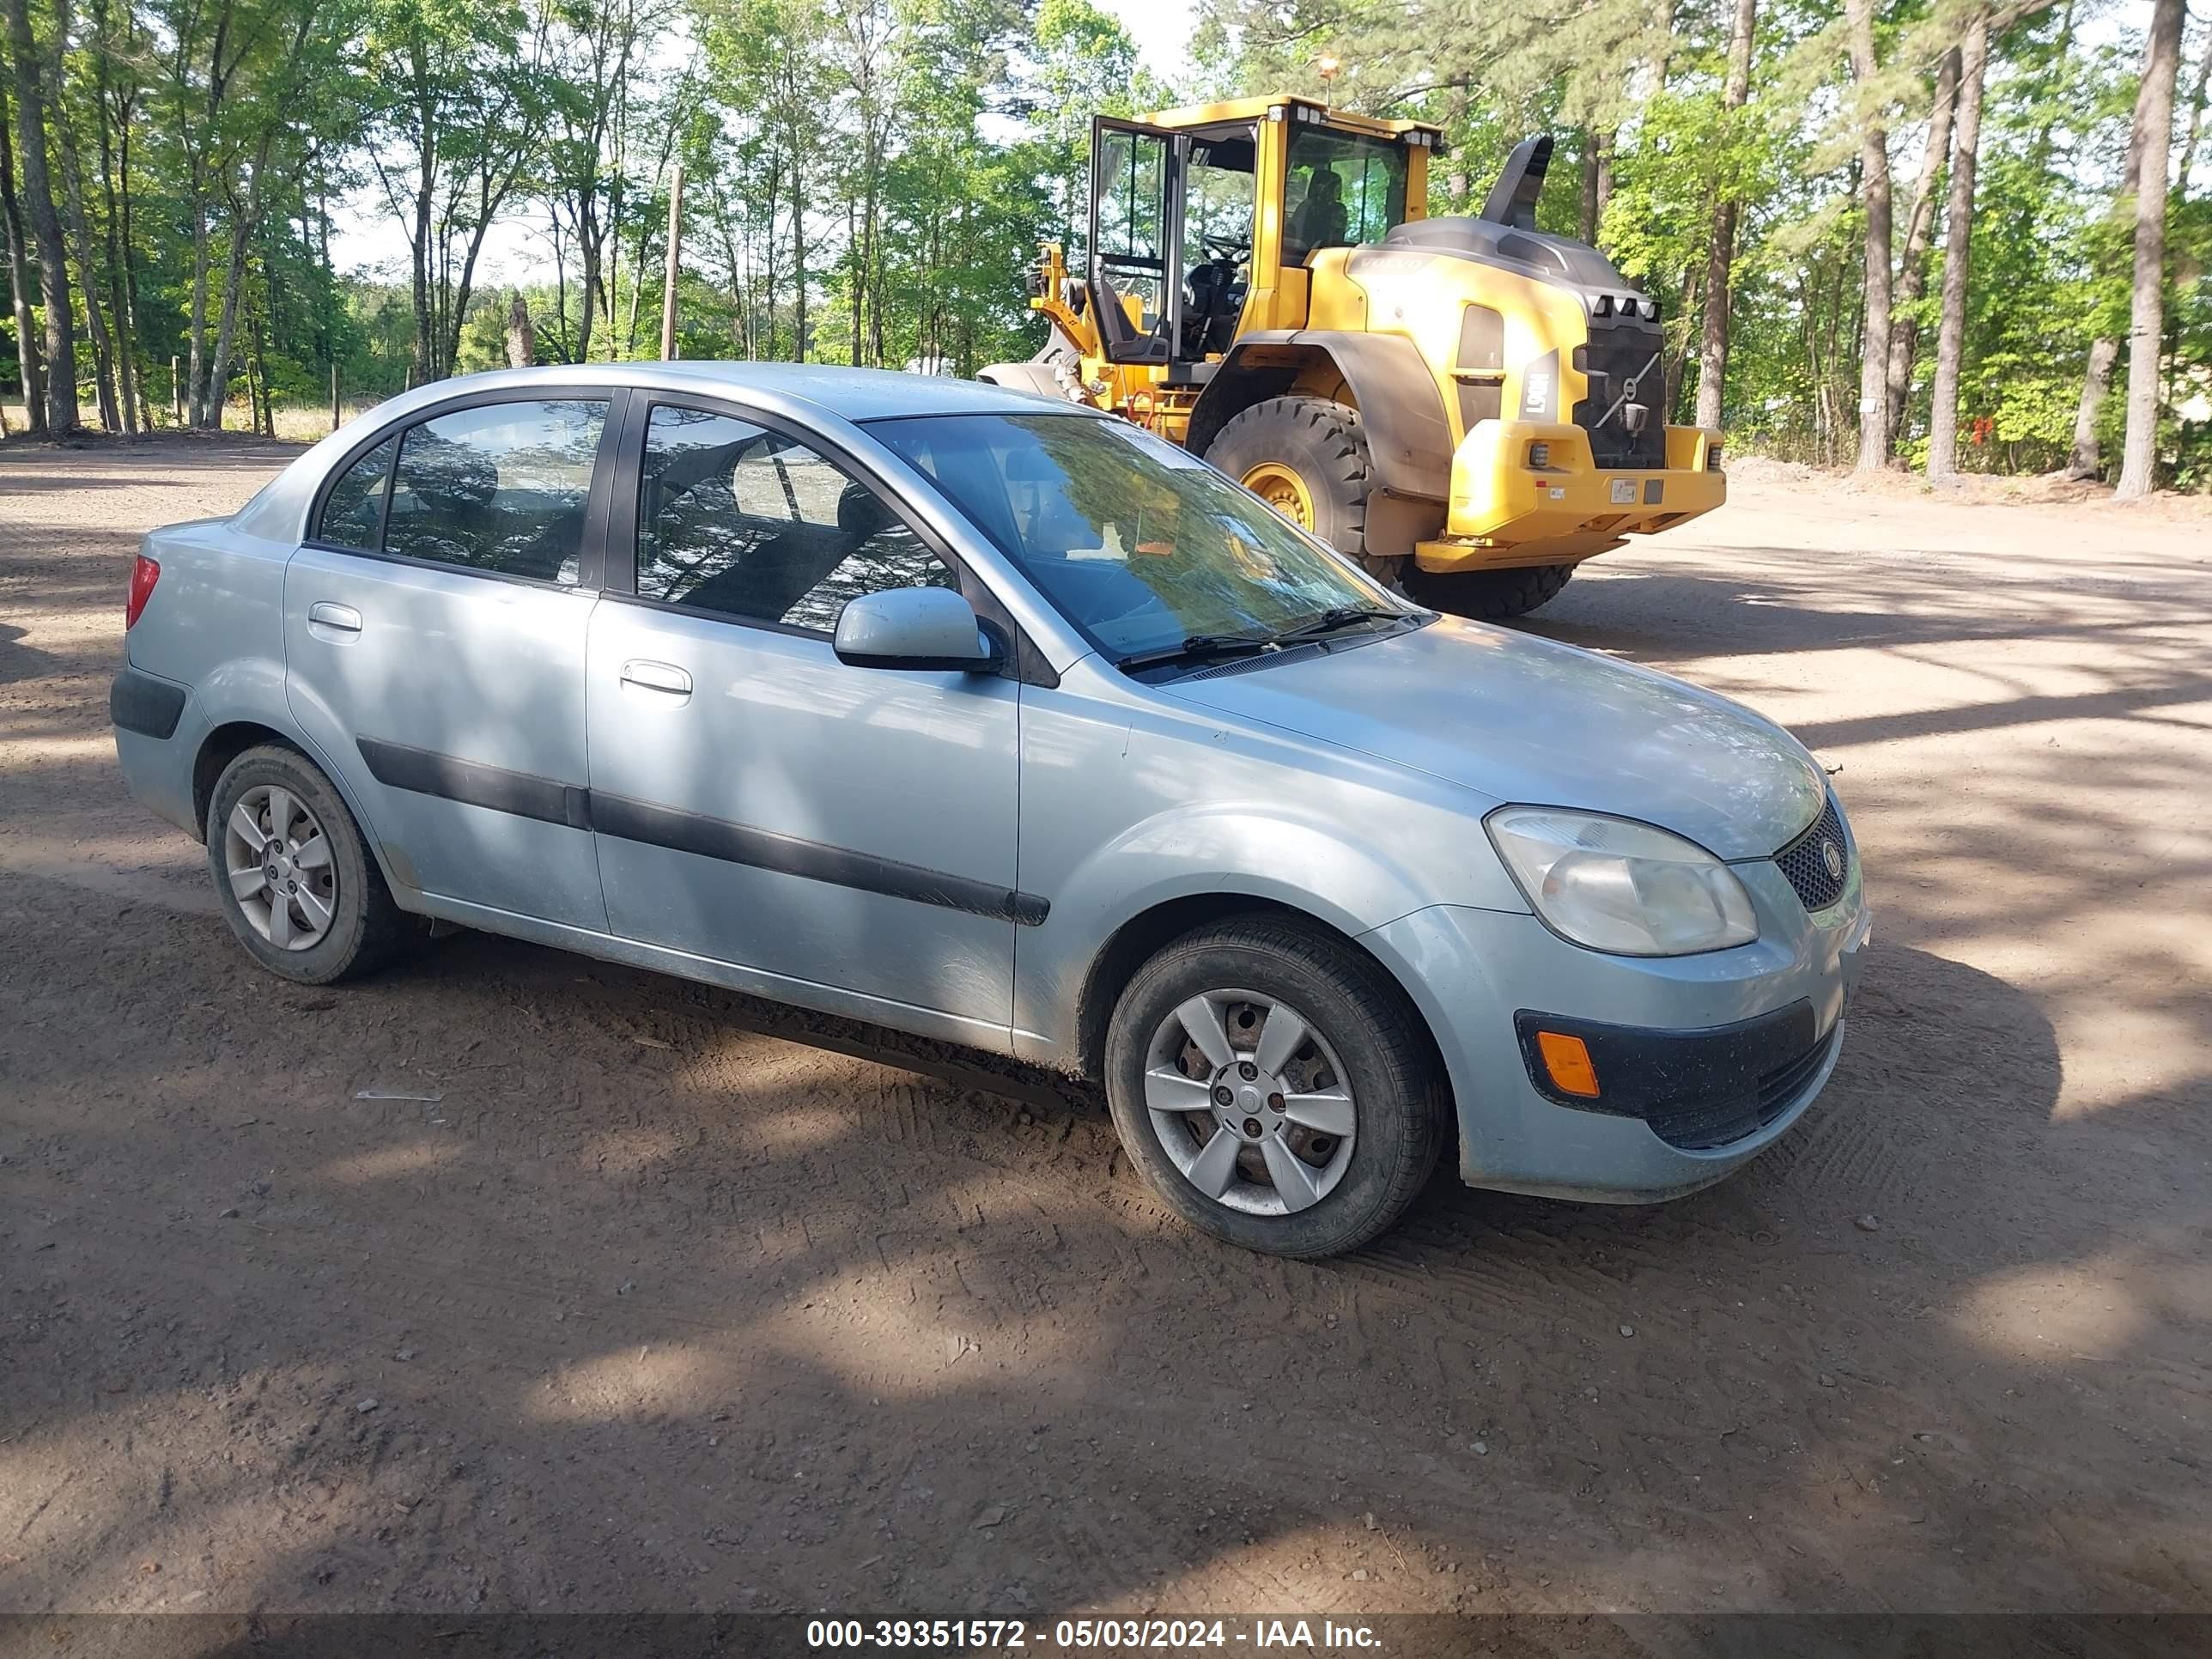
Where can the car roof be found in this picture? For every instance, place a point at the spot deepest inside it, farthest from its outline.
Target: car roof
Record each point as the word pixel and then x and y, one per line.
pixel 800 391
pixel 853 394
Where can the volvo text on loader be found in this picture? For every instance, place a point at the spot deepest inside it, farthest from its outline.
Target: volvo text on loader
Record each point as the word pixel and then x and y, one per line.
pixel 1470 406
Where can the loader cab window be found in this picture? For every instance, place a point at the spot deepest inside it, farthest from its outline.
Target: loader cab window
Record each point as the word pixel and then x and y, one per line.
pixel 1343 191
pixel 1219 199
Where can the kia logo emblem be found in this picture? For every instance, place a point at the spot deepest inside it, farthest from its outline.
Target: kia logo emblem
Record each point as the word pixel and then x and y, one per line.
pixel 1832 856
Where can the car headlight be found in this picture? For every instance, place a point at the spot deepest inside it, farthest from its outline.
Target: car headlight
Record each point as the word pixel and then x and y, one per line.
pixel 1620 886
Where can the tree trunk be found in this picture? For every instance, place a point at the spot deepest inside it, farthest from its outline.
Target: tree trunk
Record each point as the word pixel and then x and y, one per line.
pixel 104 106
pixel 1713 347
pixel 45 223
pixel 262 417
pixel 1912 267
pixel 126 345
pixel 521 338
pixel 1958 251
pixel 589 248
pixel 2146 318
pixel 1874 190
pixel 78 229
pixel 2086 461
pixel 798 258
pixel 31 370
pixel 1587 215
pixel 426 141
pixel 1456 179
pixel 131 270
pixel 243 218
pixel 196 329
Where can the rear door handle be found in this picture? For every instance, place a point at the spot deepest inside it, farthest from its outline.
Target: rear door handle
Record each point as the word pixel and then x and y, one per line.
pixel 340 618
pixel 657 676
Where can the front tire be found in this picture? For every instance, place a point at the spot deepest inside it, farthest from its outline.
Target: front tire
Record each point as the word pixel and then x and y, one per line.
pixel 1275 1087
pixel 1308 459
pixel 1489 595
pixel 292 874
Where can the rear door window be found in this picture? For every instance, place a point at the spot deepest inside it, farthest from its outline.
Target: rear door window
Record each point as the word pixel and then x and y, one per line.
pixel 500 488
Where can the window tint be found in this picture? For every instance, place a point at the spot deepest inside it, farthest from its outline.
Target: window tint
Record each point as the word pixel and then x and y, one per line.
pixel 498 487
pixel 352 512
pixel 746 523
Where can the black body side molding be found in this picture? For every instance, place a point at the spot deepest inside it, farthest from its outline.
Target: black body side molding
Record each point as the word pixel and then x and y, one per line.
pixel 424 772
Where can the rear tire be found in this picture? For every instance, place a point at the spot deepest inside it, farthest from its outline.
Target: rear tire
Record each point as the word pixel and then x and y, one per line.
pixel 1489 595
pixel 1350 1090
pixel 1308 459
pixel 326 917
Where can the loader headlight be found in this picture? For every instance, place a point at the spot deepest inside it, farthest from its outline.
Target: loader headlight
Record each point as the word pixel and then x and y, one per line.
pixel 1539 455
pixel 1616 885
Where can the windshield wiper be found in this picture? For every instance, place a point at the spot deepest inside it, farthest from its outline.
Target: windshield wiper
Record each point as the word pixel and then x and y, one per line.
pixel 1195 645
pixel 1337 616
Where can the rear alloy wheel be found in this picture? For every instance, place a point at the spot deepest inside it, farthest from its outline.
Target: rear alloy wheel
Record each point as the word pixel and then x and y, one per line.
pixel 1489 595
pixel 1275 1087
pixel 278 862
pixel 295 882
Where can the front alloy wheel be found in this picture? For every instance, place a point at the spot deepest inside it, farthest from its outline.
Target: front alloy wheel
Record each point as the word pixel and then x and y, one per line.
pixel 1249 1103
pixel 1274 1086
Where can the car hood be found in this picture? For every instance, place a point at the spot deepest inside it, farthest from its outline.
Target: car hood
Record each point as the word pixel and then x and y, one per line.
pixel 1521 718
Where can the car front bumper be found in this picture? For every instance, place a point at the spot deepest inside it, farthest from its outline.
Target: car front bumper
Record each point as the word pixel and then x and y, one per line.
pixel 1702 1062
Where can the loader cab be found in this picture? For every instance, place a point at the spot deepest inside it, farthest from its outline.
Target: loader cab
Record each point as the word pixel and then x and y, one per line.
pixel 1204 222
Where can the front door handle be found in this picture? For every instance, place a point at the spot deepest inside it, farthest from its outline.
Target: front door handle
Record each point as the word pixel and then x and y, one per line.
pixel 342 618
pixel 657 676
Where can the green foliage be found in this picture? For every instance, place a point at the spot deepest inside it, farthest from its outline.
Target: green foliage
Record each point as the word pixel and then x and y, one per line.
pixel 865 180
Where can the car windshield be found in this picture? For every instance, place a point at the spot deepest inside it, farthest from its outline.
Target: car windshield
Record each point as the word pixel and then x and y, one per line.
pixel 1142 547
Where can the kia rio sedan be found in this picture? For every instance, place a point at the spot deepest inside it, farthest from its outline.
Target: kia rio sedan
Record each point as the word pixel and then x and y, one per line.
pixel 998 720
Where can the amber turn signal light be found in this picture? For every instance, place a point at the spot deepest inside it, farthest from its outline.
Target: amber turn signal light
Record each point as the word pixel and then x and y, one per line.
pixel 1567 1059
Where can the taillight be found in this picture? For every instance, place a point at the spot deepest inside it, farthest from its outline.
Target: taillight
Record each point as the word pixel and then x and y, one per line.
pixel 143 576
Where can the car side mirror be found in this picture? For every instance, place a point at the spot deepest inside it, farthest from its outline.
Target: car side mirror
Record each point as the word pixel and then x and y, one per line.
pixel 913 627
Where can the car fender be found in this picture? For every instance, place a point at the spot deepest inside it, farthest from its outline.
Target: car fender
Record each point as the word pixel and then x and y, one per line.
pixel 1299 859
pixel 253 690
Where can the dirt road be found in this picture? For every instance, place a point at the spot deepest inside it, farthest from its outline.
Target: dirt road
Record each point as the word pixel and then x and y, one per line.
pixel 512 1281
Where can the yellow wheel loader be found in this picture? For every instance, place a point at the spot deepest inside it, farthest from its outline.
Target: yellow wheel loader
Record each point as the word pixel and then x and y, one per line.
pixel 1470 405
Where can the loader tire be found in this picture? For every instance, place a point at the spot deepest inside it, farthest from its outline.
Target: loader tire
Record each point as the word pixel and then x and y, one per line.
pixel 1489 595
pixel 1307 458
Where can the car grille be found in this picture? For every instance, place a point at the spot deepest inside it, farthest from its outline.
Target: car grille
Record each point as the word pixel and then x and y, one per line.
pixel 1615 356
pixel 1707 1124
pixel 1804 861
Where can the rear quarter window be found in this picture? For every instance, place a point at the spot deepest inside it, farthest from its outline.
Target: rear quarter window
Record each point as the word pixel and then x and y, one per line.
pixel 352 512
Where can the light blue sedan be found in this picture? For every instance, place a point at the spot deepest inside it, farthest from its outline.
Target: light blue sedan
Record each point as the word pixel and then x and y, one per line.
pixel 996 719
